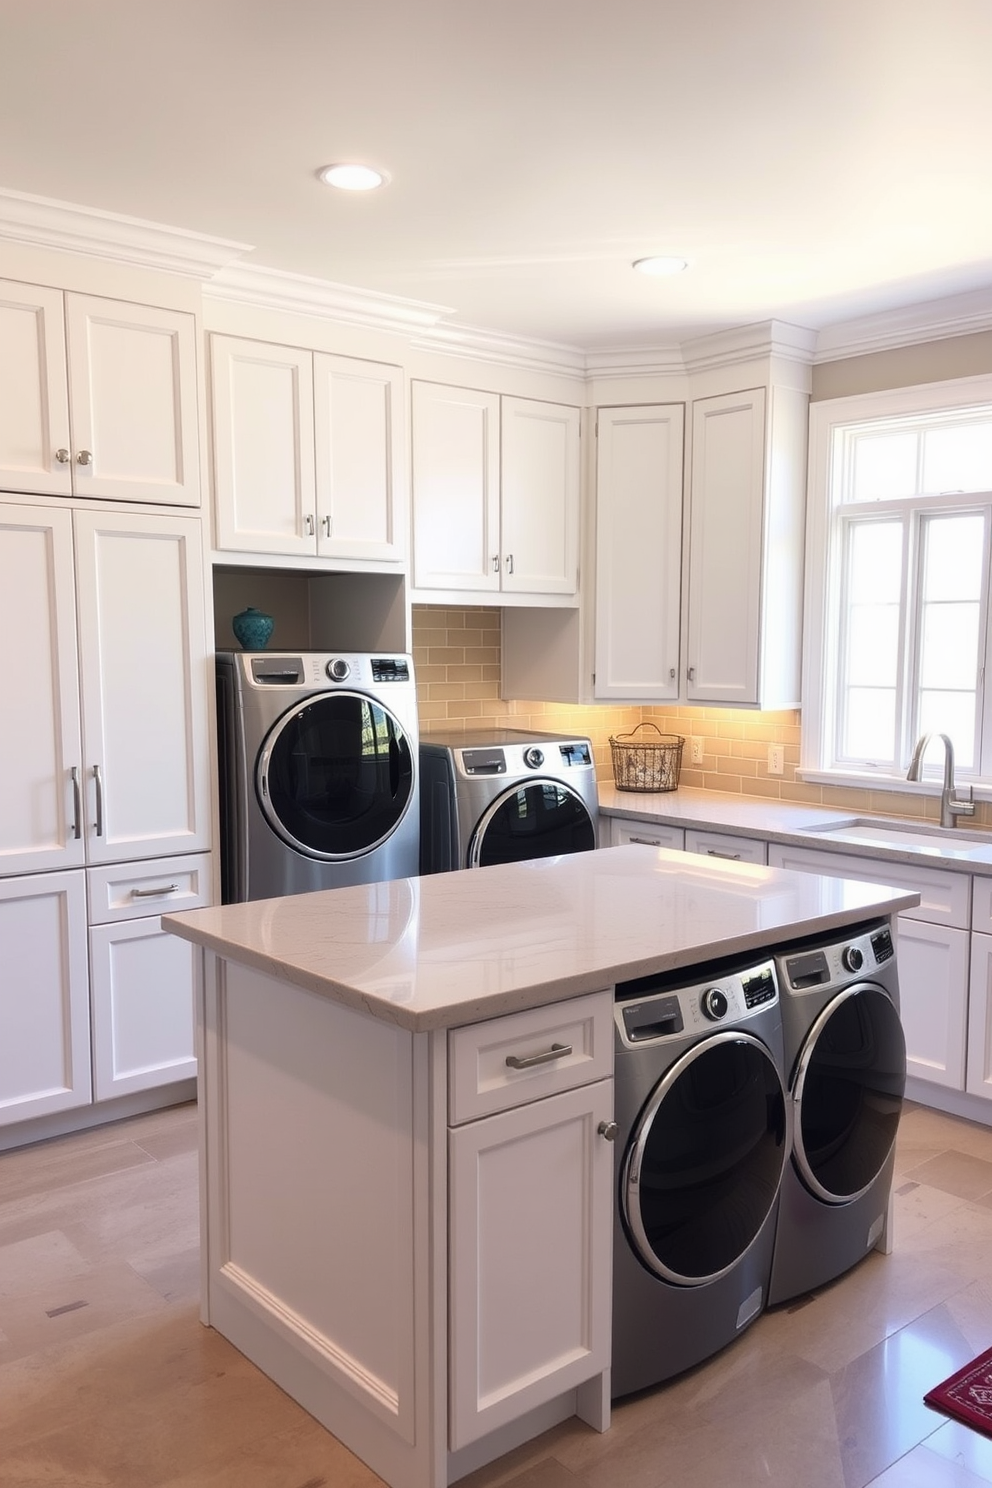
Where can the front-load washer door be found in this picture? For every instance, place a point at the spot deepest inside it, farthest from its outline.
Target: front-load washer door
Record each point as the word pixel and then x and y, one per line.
pixel 538 820
pixel 702 1171
pixel 335 775
pixel 847 1088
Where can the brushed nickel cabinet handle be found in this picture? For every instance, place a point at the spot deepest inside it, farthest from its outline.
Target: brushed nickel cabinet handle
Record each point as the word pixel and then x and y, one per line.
pixel 528 1061
pixel 609 1130
pixel 711 852
pixel 308 523
pixel 155 893
pixel 99 800
pixel 77 804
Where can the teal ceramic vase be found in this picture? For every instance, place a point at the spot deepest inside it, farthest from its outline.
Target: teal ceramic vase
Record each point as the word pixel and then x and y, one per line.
pixel 253 629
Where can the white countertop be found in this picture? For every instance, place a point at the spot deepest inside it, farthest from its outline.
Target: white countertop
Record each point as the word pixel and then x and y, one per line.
pixel 455 948
pixel 791 821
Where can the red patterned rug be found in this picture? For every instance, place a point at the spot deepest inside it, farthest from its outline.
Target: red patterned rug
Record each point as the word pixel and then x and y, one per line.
pixel 967 1395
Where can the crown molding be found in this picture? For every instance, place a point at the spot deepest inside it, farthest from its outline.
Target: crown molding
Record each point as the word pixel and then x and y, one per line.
pixel 276 289
pixel 507 351
pixel 745 343
pixel 39 222
pixel 911 325
pixel 642 361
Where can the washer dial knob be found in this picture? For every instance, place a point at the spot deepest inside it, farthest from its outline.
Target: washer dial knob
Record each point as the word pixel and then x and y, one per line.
pixel 714 1003
pixel 533 757
pixel 853 958
pixel 338 669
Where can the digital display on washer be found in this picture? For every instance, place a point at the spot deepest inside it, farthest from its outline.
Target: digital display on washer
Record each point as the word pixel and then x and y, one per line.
pixel 576 753
pixel 760 988
pixel 389 669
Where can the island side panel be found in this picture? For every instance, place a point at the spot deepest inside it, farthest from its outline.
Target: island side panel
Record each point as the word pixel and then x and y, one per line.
pixel 317 1215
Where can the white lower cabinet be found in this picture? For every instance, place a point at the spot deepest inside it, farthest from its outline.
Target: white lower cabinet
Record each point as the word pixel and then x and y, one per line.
pixel 44 996
pixel 979 1068
pixel 530 1211
pixel 88 1014
pixel 933 1000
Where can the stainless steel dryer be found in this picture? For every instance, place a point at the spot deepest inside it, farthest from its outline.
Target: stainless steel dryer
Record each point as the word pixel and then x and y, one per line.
pixel 504 795
pixel 318 771
pixel 702 1144
pixel 846 1054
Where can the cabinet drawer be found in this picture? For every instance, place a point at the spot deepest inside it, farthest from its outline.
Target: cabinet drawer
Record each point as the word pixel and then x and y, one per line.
pixel 725 845
pixel 655 834
pixel 481 1080
pixel 125 891
pixel 945 897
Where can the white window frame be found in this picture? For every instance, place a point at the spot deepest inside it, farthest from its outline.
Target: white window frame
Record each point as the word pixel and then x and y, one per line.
pixel 823 571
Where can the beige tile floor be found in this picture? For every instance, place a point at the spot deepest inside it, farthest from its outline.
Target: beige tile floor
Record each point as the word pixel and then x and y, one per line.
pixel 108 1380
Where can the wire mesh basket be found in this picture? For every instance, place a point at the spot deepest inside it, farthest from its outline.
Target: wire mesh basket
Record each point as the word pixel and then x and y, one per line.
pixel 646 763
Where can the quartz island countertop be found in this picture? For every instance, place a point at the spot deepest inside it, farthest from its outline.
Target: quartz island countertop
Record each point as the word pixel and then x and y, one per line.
pixel 455 948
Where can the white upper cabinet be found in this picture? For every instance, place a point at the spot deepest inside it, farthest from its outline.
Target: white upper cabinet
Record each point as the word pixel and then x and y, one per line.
pixel 97 398
pixel 495 493
pixel 308 453
pixel 746 522
pixel 106 753
pixel 639 463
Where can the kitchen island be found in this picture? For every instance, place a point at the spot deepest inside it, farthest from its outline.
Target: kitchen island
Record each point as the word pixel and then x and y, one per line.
pixel 406 1191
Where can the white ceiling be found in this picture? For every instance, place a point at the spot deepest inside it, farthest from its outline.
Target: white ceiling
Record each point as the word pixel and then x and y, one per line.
pixel 814 160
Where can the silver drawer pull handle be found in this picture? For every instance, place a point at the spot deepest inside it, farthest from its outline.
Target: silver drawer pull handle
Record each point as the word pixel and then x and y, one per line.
pixel 528 1061
pixel 711 852
pixel 647 841
pixel 155 893
pixel 98 824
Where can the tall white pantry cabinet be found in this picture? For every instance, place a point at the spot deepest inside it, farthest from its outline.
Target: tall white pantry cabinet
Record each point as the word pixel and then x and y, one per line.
pixel 104 781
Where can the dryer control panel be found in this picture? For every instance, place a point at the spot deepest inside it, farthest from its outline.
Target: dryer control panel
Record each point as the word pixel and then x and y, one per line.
pixel 729 999
pixel 837 964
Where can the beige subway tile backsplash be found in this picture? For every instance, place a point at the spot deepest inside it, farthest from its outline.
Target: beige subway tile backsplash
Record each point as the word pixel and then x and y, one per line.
pixel 456 654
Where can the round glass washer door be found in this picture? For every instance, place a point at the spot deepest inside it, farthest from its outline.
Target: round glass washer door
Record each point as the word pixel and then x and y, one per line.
pixel 336 775
pixel 541 819
pixel 848 1090
pixel 702 1171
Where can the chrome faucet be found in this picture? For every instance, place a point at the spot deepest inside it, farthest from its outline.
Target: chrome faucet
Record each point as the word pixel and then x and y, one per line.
pixel 950 806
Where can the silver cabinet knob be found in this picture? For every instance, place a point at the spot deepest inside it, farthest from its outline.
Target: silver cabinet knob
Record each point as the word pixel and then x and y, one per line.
pixel 609 1130
pixel 62 455
pixel 85 457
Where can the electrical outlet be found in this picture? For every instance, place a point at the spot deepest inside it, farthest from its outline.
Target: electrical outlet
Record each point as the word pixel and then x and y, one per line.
pixel 696 751
pixel 776 759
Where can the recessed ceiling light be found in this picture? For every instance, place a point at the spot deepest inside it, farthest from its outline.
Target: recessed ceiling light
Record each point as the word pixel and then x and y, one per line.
pixel 659 266
pixel 352 177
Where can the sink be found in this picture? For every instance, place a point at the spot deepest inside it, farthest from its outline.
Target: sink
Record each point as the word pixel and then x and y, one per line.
pixel 919 836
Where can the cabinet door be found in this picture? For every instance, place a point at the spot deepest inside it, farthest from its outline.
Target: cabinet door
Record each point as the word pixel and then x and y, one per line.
pixel 653 834
pixel 142 1007
pixel 143 660
pixel 531 1218
pixel 132 392
pixel 725 547
pixel 539 491
pixel 44 996
pixel 358 428
pixel 40 746
pixel 455 442
pixel 263 449
pixel 933 1000
pixel 979 1070
pixel 34 403
pixel 638 551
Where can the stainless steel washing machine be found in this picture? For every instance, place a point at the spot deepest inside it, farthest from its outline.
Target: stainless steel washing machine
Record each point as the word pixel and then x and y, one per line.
pixel 846 1056
pixel 702 1145
pixel 504 795
pixel 318 771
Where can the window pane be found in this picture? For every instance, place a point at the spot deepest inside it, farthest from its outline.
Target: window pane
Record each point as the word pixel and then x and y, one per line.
pixel 884 466
pixel 951 713
pixel 869 732
pixel 949 647
pixel 873 645
pixel 958 459
pixel 874 563
pixel 954 552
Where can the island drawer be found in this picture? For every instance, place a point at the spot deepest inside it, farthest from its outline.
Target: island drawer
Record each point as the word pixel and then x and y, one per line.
pixel 526 1056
